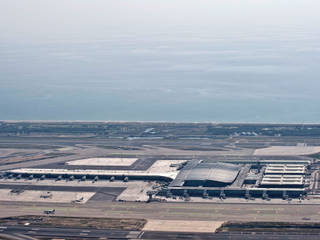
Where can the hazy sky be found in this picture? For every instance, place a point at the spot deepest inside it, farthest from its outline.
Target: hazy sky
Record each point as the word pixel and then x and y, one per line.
pixel 177 60
pixel 55 19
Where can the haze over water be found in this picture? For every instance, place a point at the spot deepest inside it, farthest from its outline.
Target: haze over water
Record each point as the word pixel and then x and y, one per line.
pixel 168 60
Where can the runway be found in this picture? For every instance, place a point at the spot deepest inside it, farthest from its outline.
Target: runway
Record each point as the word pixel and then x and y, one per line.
pixel 34 232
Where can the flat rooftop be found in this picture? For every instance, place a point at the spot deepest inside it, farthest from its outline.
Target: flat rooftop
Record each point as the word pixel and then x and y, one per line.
pixel 161 168
pixel 103 162
pixel 282 180
pixel 285 169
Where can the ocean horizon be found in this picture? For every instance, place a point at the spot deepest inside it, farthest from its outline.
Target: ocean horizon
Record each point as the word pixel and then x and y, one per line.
pixel 116 62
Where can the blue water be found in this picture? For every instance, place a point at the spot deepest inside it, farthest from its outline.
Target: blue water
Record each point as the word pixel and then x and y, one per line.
pixel 232 80
pixel 182 74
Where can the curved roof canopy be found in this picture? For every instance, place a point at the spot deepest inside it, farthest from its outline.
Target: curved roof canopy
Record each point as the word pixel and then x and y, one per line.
pixel 217 172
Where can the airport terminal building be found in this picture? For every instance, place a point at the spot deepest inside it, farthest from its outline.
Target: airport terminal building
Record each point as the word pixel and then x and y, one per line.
pixel 218 179
pixel 202 178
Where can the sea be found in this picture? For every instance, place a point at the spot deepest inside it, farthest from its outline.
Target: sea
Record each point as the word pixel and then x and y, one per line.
pixel 185 74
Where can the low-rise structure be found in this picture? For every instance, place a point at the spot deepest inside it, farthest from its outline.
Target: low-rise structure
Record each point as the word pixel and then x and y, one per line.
pixel 298 169
pixel 285 181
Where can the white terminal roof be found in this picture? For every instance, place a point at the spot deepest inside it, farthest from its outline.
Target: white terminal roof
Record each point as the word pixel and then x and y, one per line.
pixel 282 180
pixel 103 162
pixel 285 169
pixel 160 168
pixel 218 172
